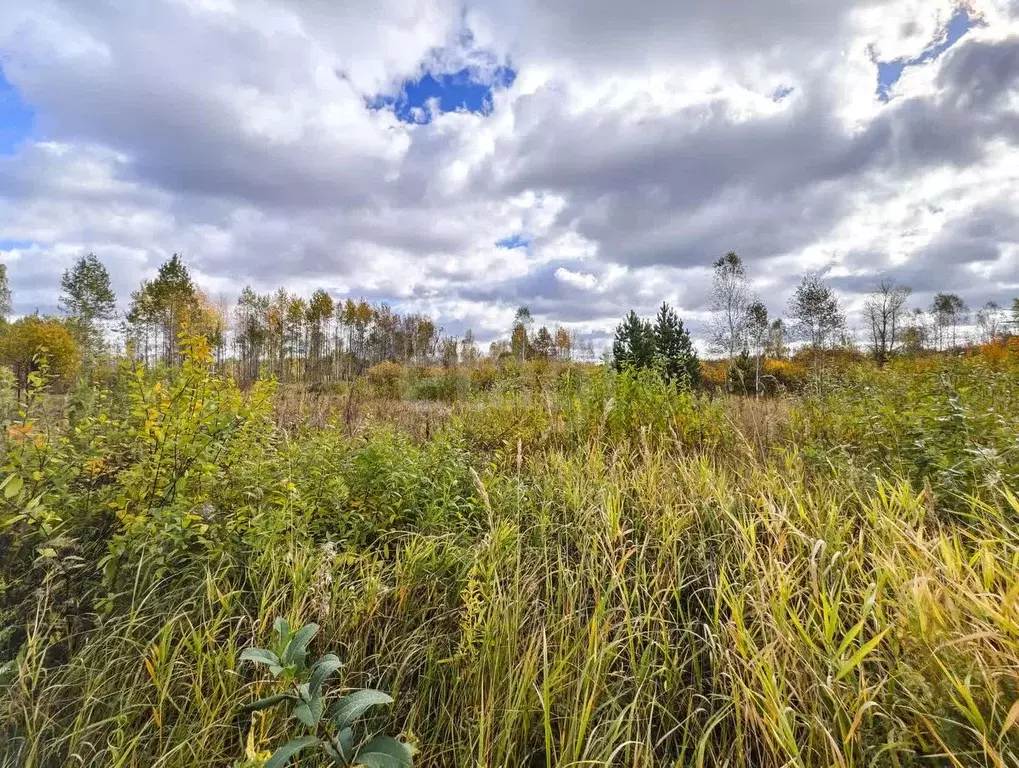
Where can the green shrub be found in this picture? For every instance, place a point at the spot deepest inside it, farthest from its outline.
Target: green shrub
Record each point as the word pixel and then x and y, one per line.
pixel 448 388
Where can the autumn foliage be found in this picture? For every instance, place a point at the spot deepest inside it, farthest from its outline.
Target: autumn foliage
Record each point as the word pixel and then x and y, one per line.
pixel 33 342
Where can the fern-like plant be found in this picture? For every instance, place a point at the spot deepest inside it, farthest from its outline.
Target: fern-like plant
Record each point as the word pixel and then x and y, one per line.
pixel 332 732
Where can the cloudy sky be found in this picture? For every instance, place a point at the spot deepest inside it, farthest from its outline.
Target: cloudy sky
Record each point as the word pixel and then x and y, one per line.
pixel 461 158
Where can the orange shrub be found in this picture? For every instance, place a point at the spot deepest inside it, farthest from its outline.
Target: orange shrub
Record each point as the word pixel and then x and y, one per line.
pixel 713 373
pixel 783 375
pixel 999 353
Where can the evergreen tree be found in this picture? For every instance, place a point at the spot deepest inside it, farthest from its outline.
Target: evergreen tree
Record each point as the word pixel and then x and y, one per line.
pixel 164 305
pixel 87 297
pixel 634 345
pixel 543 343
pixel 674 349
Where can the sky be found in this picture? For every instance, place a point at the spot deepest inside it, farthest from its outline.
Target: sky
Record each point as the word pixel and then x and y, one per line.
pixel 582 157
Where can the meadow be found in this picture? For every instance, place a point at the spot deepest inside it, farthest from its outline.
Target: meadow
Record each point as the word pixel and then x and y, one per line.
pixel 544 564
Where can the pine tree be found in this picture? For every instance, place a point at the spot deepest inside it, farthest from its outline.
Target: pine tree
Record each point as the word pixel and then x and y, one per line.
pixel 674 349
pixel 164 305
pixel 542 346
pixel 87 297
pixel 634 345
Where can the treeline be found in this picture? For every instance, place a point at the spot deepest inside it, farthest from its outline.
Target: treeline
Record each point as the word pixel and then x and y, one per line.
pixel 525 343
pixel 745 336
pixel 319 339
pixel 310 341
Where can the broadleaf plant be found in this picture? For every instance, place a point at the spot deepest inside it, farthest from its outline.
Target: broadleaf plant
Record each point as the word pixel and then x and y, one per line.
pixel 333 735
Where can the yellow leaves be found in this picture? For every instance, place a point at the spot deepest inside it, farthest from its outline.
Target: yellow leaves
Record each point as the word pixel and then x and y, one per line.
pixel 251 751
pixel 25 341
pixel 150 667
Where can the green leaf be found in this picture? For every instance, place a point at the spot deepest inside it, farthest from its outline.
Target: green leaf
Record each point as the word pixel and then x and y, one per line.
pixel 298 644
pixel 385 752
pixel 260 656
pixel 346 739
pixel 310 712
pixel 282 755
pixel 348 709
pixel 12 486
pixel 858 657
pixel 268 701
pixel 282 629
pixel 324 667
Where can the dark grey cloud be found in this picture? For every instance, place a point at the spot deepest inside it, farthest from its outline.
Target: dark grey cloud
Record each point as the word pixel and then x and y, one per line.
pixel 677 189
pixel 979 76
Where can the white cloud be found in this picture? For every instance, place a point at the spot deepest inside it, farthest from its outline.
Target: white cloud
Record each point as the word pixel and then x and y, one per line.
pixel 639 141
pixel 581 280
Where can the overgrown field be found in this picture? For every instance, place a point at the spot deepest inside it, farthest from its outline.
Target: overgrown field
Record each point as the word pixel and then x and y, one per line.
pixel 565 567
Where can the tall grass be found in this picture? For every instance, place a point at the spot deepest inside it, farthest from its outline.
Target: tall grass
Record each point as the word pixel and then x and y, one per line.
pixel 605 574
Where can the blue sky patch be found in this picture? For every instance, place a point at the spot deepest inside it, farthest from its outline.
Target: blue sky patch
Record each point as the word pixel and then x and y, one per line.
pixel 463 90
pixel 15 117
pixel 14 245
pixel 781 92
pixel 513 241
pixel 889 72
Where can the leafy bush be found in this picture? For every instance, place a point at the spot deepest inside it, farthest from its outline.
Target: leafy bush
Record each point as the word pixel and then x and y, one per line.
pixel 783 376
pixel 949 424
pixel 448 388
pixel 8 396
pixel 31 339
pixel 483 376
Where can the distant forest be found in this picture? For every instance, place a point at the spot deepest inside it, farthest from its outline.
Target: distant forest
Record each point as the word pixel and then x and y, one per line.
pixel 319 339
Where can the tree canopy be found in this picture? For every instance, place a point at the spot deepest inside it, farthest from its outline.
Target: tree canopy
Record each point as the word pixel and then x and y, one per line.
pixel 27 342
pixel 88 299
